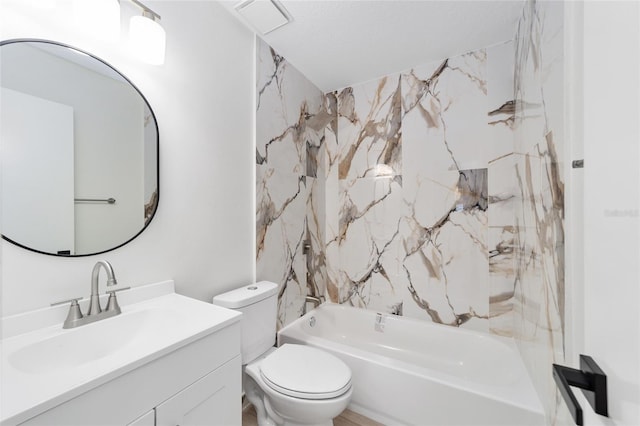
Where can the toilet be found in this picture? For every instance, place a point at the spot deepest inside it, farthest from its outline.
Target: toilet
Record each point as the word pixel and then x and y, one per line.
pixel 290 385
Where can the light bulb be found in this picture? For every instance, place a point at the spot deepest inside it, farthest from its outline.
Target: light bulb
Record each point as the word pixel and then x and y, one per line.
pixel 41 4
pixel 148 39
pixel 98 17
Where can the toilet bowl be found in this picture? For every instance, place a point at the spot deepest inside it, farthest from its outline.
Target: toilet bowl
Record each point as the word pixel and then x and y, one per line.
pixel 290 385
pixel 297 385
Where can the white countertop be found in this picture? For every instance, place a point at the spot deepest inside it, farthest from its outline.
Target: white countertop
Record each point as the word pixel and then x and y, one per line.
pixel 156 322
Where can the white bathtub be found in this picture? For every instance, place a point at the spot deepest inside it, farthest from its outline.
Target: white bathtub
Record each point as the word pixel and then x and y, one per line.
pixel 413 372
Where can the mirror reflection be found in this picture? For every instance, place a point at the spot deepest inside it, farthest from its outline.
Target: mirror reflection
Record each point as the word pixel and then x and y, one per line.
pixel 79 151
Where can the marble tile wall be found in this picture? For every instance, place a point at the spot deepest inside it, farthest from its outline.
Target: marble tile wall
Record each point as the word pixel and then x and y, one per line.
pixel 290 121
pixel 539 302
pixel 422 223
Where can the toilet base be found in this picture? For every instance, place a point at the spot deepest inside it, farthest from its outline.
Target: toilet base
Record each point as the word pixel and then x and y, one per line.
pixel 267 415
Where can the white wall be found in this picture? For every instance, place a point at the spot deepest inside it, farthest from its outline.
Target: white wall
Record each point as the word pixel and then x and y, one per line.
pixel 611 322
pixel 203 233
pixel 604 201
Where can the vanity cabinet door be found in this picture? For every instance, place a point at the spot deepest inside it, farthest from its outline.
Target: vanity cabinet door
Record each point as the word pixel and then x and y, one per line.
pixel 148 419
pixel 213 400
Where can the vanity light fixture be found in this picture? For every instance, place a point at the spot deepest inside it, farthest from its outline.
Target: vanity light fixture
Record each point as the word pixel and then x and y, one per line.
pixel 42 4
pixel 146 35
pixel 98 17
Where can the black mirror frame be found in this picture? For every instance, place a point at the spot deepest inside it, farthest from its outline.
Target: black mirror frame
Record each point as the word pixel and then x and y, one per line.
pixel 155 121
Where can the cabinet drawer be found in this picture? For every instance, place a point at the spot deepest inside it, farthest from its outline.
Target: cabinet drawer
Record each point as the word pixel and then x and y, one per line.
pixel 213 400
pixel 148 419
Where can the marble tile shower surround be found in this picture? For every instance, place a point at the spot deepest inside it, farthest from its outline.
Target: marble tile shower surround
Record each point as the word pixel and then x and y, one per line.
pixel 539 302
pixel 436 192
pixel 398 184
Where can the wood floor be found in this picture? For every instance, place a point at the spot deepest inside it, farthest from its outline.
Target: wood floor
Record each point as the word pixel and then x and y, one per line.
pixel 347 418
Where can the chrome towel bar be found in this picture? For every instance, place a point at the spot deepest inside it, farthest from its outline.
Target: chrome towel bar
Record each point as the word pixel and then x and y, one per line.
pixel 95 200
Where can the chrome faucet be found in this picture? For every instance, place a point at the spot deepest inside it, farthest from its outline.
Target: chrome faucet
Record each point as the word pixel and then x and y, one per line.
pixel 94 304
pixel 95 312
pixel 310 299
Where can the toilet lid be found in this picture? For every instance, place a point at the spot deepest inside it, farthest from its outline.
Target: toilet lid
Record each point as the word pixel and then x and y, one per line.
pixel 305 372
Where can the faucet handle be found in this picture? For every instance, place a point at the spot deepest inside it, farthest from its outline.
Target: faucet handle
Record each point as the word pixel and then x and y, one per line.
pixel 74 312
pixel 73 301
pixel 112 303
pixel 110 292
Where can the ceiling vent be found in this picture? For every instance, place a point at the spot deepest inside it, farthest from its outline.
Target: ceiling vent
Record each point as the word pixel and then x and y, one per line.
pixel 264 15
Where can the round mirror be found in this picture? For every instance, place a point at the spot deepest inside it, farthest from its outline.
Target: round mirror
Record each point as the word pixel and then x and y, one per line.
pixel 78 151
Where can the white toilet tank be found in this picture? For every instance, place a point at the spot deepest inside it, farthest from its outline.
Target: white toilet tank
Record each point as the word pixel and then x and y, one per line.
pixel 259 306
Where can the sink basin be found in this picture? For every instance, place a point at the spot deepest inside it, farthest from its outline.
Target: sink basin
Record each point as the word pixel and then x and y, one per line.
pixel 75 347
pixel 78 346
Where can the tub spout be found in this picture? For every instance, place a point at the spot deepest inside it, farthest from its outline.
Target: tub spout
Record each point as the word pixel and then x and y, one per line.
pixel 310 299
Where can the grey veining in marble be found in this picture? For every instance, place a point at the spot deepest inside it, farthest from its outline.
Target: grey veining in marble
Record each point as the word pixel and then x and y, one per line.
pixel 539 292
pixel 370 134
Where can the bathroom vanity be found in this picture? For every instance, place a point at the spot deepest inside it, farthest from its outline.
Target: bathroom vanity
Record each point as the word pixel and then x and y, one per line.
pixel 166 360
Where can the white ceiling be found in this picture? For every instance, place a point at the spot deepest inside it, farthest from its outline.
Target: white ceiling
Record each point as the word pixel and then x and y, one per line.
pixel 338 43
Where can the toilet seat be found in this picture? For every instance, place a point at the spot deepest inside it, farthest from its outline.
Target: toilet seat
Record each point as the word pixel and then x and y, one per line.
pixel 305 372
